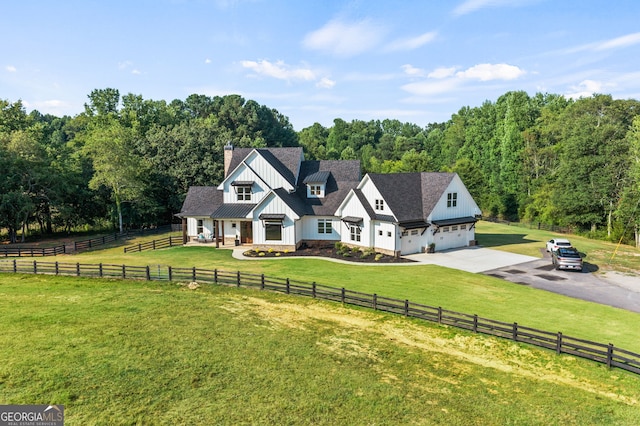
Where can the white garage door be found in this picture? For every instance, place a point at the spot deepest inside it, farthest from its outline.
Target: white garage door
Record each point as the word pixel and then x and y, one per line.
pixel 411 241
pixel 452 237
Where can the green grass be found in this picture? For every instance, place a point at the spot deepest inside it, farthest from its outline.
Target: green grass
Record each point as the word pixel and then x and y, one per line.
pixel 455 290
pixel 122 352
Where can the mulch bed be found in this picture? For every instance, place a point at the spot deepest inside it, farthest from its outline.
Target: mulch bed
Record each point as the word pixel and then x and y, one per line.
pixel 355 256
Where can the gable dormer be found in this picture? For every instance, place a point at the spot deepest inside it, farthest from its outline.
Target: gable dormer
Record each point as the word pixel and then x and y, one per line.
pixel 316 184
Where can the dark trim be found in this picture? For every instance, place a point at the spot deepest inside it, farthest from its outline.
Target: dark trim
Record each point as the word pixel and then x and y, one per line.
pixel 415 224
pixel 242 183
pixel 272 216
pixel 455 221
pixel 353 220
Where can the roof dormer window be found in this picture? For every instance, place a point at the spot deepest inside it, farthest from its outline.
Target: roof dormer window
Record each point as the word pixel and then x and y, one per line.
pixel 315 190
pixel 316 184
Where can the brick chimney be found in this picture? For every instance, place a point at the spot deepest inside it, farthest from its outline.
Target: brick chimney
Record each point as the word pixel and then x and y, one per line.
pixel 228 153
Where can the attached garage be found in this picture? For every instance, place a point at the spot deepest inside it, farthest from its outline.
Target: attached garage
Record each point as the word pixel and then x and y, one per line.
pixel 452 233
pixel 413 237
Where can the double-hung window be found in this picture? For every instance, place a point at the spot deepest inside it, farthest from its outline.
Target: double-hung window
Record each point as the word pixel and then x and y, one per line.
pixel 452 199
pixel 379 204
pixel 324 226
pixel 354 233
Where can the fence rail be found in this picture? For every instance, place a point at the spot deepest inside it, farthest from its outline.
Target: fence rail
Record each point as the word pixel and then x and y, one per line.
pixel 558 342
pixel 26 251
pixel 166 242
pixel 31 251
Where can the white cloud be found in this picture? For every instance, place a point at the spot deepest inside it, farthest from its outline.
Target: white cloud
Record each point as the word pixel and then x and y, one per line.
pixel 487 72
pixel 411 43
pixel 624 41
pixel 345 38
pixel 325 83
pixel 207 61
pixel 11 68
pixel 444 80
pixel 470 6
pixel 279 70
pixel 412 71
pixel 442 72
pixel 587 88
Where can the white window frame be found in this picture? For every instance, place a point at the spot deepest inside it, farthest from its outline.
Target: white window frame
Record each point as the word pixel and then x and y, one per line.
pixel 354 233
pixel 325 226
pixel 243 193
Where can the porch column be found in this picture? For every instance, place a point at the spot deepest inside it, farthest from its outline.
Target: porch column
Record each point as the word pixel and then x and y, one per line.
pixel 215 232
pixel 223 241
pixel 184 230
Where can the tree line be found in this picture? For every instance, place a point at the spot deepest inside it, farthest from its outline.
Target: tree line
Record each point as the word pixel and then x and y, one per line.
pixel 127 162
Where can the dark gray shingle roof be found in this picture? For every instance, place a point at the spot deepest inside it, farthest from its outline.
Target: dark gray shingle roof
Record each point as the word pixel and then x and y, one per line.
pixel 411 196
pixel 201 201
pixel 342 176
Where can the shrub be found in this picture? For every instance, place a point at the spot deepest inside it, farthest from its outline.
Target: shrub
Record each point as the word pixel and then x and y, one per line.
pixel 278 254
pixel 261 253
pixel 339 246
pixel 270 250
pixel 369 251
pixel 378 256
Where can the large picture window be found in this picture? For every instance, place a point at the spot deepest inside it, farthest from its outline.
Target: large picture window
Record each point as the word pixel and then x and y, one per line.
pixel 244 193
pixel 354 233
pixel 452 199
pixel 324 226
pixel 273 231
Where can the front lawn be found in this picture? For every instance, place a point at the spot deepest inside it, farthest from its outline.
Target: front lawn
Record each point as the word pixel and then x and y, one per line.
pixel 123 352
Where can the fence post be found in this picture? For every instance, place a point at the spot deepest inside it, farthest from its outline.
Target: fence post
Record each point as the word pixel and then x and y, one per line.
pixel 139 247
pixel 288 288
pixel 148 272
pixel 475 323
pixel 439 314
pixel 193 274
pixel 154 244
pixel 215 276
pixel 124 272
pixel 238 279
pixel 35 266
pixel 56 267
pixel 609 355
pixel 77 269
pixel 100 269
pixel 375 301
pixel 170 273
pixel 15 266
pixel 313 289
pixel 514 334
pixel 559 343
pixel 406 307
pixel 262 282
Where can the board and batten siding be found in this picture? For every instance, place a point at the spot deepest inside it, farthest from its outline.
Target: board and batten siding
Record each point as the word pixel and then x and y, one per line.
pixel 192 226
pixel 385 241
pixel 309 228
pixel 353 207
pixel 466 206
pixel 275 205
pixel 242 173
pixel 266 171
pixel 372 194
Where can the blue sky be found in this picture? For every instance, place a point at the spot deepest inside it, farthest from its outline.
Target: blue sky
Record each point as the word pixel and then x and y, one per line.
pixel 313 61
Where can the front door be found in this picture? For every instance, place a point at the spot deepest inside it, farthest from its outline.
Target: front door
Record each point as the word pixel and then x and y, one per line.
pixel 246 232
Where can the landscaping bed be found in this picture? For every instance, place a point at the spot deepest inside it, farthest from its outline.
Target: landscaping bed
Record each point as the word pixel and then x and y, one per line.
pixel 337 251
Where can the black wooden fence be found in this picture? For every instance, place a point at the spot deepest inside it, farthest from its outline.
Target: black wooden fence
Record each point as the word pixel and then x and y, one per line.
pixel 80 245
pixel 603 353
pixel 154 244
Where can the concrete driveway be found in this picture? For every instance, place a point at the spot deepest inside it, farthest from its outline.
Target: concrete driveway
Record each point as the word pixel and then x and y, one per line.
pixel 471 259
pixel 613 289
